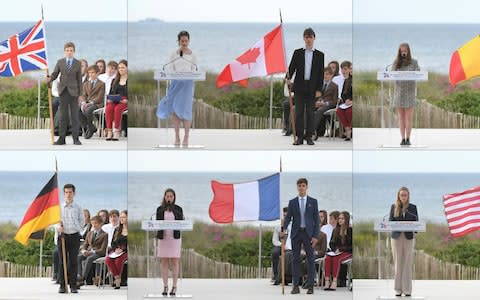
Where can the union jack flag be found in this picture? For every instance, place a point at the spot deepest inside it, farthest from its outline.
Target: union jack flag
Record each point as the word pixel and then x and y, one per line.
pixel 25 51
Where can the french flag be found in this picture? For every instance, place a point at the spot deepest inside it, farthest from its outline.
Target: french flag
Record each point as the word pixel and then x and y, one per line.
pixel 257 200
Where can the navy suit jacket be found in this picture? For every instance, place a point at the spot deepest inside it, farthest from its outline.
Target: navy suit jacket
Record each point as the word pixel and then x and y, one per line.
pixel 312 219
pixel 410 215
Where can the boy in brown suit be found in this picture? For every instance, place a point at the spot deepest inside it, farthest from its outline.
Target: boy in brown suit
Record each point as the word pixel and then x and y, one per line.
pixel 92 98
pixel 95 246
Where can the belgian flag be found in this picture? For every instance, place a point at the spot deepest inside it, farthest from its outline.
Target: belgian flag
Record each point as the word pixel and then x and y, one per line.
pixel 43 212
pixel 465 61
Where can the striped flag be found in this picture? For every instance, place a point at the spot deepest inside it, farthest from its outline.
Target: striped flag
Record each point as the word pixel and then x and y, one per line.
pixel 257 200
pixel 463 211
pixel 43 212
pixel 465 61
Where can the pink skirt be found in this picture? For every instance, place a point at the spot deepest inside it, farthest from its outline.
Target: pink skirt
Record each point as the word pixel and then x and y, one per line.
pixel 169 247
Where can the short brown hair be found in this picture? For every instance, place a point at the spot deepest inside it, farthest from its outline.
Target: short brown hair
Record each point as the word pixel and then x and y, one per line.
pixel 69 45
pixel 334 214
pixel 94 68
pixel 114 212
pixel 345 63
pixel 309 32
pixel 97 219
pixel 302 180
pixel 113 63
pixel 328 70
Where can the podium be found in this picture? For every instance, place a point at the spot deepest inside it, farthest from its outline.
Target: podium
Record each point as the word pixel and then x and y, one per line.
pixel 161 75
pixel 389 226
pixel 389 76
pixel 155 225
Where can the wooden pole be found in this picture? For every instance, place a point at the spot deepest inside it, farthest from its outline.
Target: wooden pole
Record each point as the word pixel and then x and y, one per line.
pixel 292 113
pixel 64 259
pixel 282 262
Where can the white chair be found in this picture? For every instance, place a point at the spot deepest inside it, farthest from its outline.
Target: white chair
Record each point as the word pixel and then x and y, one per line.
pixel 332 121
pixel 348 263
pixel 101 116
pixel 320 262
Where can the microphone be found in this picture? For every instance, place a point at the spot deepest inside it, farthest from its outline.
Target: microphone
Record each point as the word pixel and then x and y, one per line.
pixel 181 53
pixel 386 68
pixel 412 214
pixel 387 215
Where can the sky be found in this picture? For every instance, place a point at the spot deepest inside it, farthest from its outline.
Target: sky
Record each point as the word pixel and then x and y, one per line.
pixel 416 162
pixel 240 161
pixel 83 161
pixel 416 11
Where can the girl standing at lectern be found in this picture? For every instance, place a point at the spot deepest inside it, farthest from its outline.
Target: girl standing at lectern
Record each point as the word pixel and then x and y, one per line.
pixel 169 241
pixel 405 92
pixel 403 242
pixel 179 99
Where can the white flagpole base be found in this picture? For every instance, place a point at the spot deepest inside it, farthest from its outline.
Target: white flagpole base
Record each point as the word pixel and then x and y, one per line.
pixel 391 146
pixel 399 298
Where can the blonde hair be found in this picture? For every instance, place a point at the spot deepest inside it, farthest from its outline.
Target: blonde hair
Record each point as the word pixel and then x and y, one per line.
pixel 399 207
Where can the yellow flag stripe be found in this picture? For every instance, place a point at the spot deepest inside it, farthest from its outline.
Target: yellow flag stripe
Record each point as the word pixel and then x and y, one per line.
pixel 48 217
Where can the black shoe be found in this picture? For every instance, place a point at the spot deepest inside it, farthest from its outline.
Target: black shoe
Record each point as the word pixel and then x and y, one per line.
pixel 288 133
pixel 407 142
pixel 403 142
pixel 310 142
pixel 88 134
pixel 310 290
pixel 173 291
pixel 298 142
pixel 398 295
pixel 62 290
pixel 276 282
pixel 77 142
pixel 165 291
pixel 116 288
pixel 408 295
pixel 60 141
pixel 73 290
pixel 295 290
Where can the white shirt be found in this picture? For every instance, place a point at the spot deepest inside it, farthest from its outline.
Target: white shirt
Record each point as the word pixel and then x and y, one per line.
pixel 328 230
pixel 276 236
pixel 186 63
pixel 339 80
pixel 308 63
pixel 109 229
pixel 107 80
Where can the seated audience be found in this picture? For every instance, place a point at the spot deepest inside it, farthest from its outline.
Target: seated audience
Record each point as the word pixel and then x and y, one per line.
pixel 118 253
pixel 344 109
pixel 327 100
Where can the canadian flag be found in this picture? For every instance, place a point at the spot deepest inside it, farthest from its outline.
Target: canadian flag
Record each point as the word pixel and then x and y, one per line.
pixel 266 57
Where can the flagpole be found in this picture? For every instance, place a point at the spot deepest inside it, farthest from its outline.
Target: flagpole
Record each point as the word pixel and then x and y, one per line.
pixel 282 239
pixel 271 102
pixel 62 240
pixel 40 266
pixel 49 87
pixel 259 250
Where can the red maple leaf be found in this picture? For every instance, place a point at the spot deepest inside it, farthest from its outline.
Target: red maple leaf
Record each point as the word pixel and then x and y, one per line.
pixel 250 56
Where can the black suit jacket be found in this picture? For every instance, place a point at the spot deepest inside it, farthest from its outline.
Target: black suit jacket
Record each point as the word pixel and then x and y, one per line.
pixel 177 212
pixel 410 215
pixel 70 80
pixel 297 66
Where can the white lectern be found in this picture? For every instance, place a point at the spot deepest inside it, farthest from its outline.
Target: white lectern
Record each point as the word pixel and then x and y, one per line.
pixel 167 76
pixel 390 76
pixel 389 226
pixel 155 225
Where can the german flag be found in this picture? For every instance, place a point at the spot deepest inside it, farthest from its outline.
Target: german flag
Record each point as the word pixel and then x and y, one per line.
pixel 43 212
pixel 465 61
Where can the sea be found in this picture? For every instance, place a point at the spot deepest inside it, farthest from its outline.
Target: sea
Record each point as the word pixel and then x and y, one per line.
pixel 373 194
pixel 94 191
pixel 148 45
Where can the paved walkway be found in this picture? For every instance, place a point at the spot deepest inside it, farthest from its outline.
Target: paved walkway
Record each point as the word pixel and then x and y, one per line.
pixel 428 289
pixel 226 139
pixel 45 289
pixel 39 139
pixel 422 139
pixel 230 289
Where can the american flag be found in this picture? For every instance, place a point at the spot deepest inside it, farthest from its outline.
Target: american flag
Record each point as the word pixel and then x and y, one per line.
pixel 25 51
pixel 463 211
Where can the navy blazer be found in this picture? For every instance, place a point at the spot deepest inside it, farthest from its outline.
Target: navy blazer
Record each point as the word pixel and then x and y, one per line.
pixel 312 219
pixel 410 215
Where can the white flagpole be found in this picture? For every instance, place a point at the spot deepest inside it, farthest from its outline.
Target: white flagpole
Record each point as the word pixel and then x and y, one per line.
pixel 271 101
pixel 259 250
pixel 41 259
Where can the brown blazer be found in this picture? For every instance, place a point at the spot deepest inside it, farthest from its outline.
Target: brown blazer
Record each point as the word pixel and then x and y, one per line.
pixel 321 246
pixel 99 245
pixel 72 81
pixel 96 94
pixel 331 94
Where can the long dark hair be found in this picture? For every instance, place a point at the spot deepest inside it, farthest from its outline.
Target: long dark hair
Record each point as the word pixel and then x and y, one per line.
pixel 341 230
pixel 118 231
pixel 164 201
pixel 337 67
pixel 117 78
pixel 399 62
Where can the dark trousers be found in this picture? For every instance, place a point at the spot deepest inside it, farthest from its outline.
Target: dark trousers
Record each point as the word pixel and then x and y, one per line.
pixel 276 251
pixel 302 239
pixel 84 271
pixel 304 105
pixel 68 107
pixel 55 263
pixel 86 117
pixel 55 105
pixel 72 244
pixel 320 119
pixel 286 115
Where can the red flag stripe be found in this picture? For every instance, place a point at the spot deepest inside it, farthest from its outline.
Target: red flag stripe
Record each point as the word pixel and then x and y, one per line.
pixel 462 211
pixel 457 73
pixel 274 59
pixel 222 206
pixel 467 193
pixel 225 77
pixel 464 221
pixel 455 212
pixel 471 227
pixel 32 32
pixel 458 202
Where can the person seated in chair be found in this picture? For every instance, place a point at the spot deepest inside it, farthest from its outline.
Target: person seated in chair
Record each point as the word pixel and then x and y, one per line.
pixel 344 110
pixel 95 246
pixel 91 100
pixel 327 100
